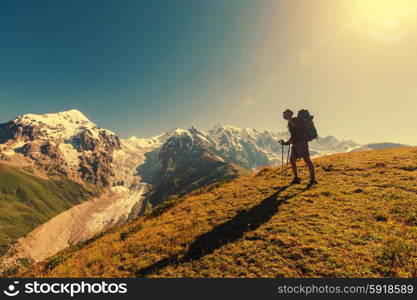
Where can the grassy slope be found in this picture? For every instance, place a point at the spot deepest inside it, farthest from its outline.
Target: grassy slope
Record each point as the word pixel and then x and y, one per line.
pixel 27 201
pixel 360 221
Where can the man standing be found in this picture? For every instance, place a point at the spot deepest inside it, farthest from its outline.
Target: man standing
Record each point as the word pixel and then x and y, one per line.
pixel 299 141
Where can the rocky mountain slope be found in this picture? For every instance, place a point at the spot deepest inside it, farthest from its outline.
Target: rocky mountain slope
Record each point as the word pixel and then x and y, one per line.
pixel 187 161
pixel 360 221
pixel 66 144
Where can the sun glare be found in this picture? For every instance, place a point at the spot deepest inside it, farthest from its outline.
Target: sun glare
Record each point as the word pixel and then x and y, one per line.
pixel 386 19
pixel 377 11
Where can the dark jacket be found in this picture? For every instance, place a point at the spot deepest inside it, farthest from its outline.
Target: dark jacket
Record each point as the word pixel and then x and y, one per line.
pixel 298 130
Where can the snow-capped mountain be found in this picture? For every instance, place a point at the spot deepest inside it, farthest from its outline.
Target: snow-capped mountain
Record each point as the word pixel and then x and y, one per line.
pixel 133 153
pixel 187 161
pixel 65 143
pixel 240 146
pixel 174 161
pixel 186 143
pixel 251 148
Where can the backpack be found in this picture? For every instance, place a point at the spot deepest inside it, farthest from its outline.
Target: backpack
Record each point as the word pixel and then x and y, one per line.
pixel 307 119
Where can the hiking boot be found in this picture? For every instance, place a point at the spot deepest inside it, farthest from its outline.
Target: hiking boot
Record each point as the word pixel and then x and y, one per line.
pixel 311 183
pixel 296 180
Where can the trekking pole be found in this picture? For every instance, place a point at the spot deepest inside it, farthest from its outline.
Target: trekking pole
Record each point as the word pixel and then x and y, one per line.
pixel 286 165
pixel 282 164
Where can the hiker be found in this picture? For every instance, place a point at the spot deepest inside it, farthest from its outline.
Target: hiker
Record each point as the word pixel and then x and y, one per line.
pixel 299 141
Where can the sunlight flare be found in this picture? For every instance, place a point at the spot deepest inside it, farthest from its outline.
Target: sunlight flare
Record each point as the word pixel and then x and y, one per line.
pixel 386 18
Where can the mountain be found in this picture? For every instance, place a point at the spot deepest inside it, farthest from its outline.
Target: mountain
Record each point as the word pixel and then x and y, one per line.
pixel 129 175
pixel 188 160
pixel 241 146
pixel 65 143
pixel 252 149
pixel 359 221
pixel 378 146
pixel 134 153
pixel 50 165
pixel 68 144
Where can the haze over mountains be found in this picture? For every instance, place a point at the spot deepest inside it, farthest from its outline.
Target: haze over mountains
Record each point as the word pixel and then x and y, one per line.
pixel 125 176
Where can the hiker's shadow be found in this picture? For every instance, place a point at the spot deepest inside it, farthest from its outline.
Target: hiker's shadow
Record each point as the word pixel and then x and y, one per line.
pixel 228 232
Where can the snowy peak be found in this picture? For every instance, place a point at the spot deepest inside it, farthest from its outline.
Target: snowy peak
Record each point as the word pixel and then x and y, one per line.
pixel 228 130
pixel 65 143
pixel 178 131
pixel 158 140
pixel 245 146
pixel 192 136
pixel 62 125
pixel 243 134
pixel 70 116
pixel 192 131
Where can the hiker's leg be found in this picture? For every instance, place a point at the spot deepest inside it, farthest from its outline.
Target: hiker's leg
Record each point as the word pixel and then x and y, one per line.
pixel 310 167
pixel 293 162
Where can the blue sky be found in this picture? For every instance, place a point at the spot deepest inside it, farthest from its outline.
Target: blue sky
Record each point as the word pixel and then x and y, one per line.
pixel 143 67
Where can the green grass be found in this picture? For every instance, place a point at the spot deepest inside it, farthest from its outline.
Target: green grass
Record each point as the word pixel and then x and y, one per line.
pixel 360 221
pixel 27 201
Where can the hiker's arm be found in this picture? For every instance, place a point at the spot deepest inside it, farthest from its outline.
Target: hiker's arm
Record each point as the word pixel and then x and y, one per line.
pixel 289 142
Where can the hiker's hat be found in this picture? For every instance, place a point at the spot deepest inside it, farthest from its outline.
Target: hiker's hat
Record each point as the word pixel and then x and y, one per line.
pixel 288 112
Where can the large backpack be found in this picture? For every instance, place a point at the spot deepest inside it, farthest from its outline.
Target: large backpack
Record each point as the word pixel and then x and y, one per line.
pixel 307 119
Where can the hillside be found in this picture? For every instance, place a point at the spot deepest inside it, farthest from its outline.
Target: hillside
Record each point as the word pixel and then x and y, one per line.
pixel 27 201
pixel 360 221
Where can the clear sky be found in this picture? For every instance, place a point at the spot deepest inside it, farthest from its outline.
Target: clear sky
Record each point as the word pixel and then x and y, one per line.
pixel 144 67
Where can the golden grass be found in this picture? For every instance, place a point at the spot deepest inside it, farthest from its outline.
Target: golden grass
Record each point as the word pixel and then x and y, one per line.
pixel 360 221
